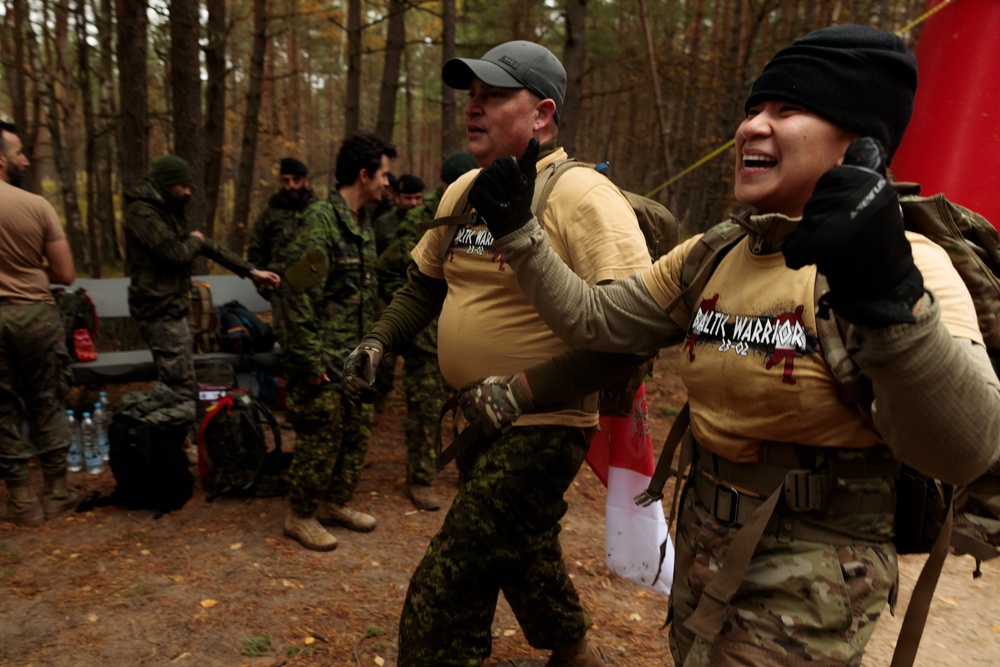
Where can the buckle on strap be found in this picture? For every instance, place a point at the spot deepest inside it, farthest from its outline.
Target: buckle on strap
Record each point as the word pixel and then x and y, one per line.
pixel 805 490
pixel 726 498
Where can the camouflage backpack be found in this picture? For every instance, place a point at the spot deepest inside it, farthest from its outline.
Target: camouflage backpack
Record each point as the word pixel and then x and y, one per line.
pixel 233 456
pixel 79 319
pixel 201 318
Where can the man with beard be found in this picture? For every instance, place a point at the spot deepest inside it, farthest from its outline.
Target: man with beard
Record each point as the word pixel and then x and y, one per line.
pixel 33 254
pixel 160 247
pixel 275 228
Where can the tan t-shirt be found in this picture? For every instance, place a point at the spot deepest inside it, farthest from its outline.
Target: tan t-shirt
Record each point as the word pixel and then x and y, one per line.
pixel 27 223
pixel 487 325
pixel 753 335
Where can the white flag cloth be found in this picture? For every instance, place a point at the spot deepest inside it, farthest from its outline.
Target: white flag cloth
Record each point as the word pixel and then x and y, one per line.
pixel 636 539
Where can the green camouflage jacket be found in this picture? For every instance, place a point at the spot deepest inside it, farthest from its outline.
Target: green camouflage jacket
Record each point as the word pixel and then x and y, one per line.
pixel 159 253
pixel 394 260
pixel 329 288
pixel 275 228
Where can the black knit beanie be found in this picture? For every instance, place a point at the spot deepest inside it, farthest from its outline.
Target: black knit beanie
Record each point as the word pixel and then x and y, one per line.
pixel 408 184
pixel 292 167
pixel 169 170
pixel 859 78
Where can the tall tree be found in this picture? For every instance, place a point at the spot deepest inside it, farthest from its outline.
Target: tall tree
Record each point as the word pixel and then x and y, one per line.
pixel 215 106
pixel 251 127
pixel 449 119
pixel 104 134
pixel 133 150
pixel 352 105
pixel 395 43
pixel 574 57
pixel 185 86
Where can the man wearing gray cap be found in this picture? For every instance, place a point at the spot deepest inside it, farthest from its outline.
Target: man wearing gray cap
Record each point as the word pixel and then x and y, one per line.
pixel 502 531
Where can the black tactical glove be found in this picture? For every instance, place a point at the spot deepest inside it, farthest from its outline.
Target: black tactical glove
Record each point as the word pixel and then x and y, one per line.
pixel 852 230
pixel 496 401
pixel 502 192
pixel 359 371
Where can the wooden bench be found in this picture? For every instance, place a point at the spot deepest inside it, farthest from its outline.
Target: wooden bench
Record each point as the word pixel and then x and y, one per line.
pixel 110 296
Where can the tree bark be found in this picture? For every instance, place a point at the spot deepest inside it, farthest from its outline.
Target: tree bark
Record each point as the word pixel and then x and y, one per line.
pixel 185 85
pixel 215 108
pixel 395 44
pixel 449 111
pixel 574 57
pixel 104 136
pixel 352 105
pixel 251 128
pixel 134 146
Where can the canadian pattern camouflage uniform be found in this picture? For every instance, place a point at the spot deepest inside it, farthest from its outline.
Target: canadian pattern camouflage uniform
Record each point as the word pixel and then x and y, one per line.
pixel 422 381
pixel 159 253
pixel 33 384
pixel 269 239
pixel 327 313
pixel 502 529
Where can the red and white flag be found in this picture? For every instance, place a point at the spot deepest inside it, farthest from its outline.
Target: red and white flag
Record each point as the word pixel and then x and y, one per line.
pixel 636 538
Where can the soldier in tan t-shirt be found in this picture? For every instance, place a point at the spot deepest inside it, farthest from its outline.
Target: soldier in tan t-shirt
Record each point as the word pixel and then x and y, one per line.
pixel 502 531
pixel 33 253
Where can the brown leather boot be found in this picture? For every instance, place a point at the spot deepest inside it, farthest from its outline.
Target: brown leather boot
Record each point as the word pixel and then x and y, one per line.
pixel 423 497
pixel 22 507
pixel 58 498
pixel 580 654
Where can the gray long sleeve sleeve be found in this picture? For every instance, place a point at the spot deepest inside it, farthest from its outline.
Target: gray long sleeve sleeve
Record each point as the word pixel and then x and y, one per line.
pixel 613 317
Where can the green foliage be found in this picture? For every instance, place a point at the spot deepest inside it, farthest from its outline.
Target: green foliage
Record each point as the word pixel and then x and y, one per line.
pixel 256 646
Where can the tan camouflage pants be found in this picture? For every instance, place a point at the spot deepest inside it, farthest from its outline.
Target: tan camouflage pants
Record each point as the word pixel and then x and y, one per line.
pixel 800 603
pixel 169 339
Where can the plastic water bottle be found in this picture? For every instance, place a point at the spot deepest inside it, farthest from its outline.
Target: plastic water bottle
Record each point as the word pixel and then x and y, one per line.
pixel 91 456
pixel 74 457
pixel 100 418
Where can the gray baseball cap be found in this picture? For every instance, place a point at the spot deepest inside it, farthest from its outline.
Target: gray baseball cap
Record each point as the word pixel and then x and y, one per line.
pixel 516 64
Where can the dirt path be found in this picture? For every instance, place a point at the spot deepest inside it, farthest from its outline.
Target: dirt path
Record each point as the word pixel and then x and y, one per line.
pixel 217 585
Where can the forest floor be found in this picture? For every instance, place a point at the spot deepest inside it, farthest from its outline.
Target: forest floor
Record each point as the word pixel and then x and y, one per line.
pixel 217 585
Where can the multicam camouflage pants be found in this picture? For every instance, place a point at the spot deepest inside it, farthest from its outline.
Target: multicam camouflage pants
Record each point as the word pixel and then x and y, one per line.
pixel 800 603
pixel 501 534
pixel 331 439
pixel 425 390
pixel 33 387
pixel 169 339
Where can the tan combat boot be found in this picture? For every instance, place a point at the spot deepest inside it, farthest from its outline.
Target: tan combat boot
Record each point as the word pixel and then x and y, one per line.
pixel 332 514
pixel 306 530
pixel 580 654
pixel 23 507
pixel 423 497
pixel 58 498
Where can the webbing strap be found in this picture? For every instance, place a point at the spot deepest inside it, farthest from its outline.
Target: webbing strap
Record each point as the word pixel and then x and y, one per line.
pixel 709 615
pixel 923 591
pixel 654 491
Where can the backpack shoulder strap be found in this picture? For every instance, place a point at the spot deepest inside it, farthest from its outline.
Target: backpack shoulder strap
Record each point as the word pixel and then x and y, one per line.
pixel 701 263
pixel 546 180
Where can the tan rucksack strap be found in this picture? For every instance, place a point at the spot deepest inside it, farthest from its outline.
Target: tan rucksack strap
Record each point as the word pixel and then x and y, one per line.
pixel 654 491
pixel 701 263
pixel 923 592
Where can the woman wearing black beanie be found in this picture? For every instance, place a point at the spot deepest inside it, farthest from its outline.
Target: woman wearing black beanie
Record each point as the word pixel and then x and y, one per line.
pixel 785 552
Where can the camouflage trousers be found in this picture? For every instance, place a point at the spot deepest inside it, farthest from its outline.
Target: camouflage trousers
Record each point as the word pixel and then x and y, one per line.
pixel 169 339
pixel 425 390
pixel 500 534
pixel 33 388
pixel 800 603
pixel 331 440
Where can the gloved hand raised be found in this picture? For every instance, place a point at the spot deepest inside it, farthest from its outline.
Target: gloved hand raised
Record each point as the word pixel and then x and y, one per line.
pixel 502 192
pixel 359 371
pixel 497 400
pixel 852 230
